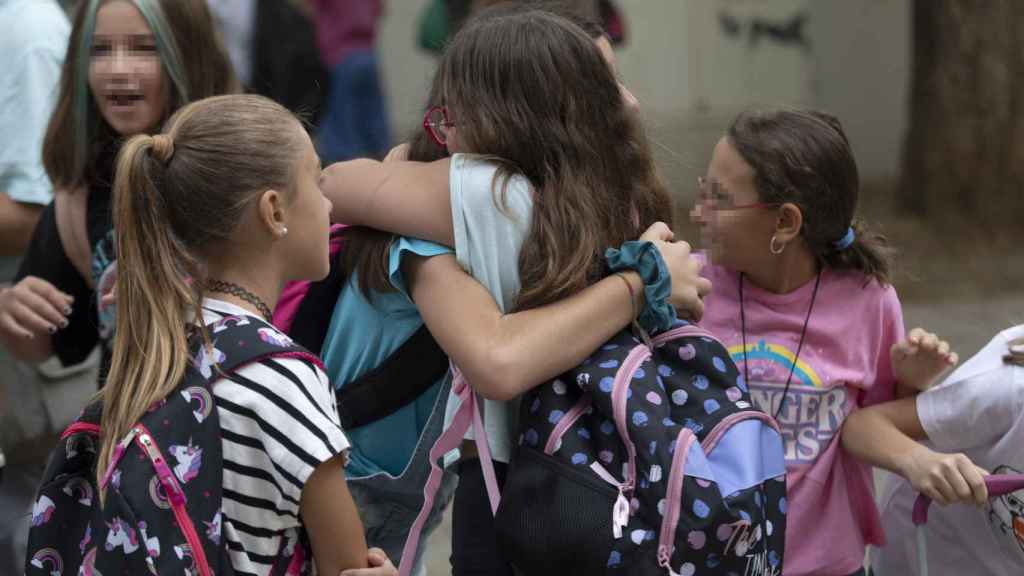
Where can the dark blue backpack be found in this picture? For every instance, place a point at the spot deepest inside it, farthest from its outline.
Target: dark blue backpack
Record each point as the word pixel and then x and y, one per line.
pixel 646 460
pixel 162 511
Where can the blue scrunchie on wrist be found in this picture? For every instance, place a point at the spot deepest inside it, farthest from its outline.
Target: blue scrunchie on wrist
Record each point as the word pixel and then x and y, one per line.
pixel 643 258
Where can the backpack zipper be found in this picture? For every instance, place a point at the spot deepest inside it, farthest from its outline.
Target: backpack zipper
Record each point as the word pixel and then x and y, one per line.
pixel 620 391
pixel 566 422
pixel 684 442
pixel 175 495
pixel 711 440
pixel 621 509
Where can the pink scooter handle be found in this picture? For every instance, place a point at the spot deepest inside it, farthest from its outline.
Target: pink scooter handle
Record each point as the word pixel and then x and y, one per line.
pixel 997 484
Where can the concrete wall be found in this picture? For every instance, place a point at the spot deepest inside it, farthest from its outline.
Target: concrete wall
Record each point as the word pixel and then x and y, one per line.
pixel 695 63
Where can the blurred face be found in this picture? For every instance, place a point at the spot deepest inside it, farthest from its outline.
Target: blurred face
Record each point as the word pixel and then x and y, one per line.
pixel 125 73
pixel 605 46
pixel 735 228
pixel 308 218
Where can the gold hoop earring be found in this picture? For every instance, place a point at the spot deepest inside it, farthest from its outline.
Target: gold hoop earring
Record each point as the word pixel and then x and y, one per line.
pixel 776 251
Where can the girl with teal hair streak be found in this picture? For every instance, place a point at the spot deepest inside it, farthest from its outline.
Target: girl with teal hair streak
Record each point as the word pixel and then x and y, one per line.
pixel 130 65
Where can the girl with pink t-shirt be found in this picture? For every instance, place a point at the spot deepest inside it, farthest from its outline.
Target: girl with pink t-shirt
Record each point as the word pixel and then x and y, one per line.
pixel 802 301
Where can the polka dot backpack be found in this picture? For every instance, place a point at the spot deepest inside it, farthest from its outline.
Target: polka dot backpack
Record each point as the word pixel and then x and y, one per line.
pixel 648 458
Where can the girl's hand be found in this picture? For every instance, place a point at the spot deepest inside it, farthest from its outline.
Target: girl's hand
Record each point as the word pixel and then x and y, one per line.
pixel 379 563
pixel 31 308
pixel 921 359
pixel 688 287
pixel 945 478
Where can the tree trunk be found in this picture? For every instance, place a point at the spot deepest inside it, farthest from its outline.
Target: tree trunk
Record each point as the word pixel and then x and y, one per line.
pixel 964 155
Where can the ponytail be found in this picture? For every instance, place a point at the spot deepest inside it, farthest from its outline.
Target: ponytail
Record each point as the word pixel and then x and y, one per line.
pixel 175 196
pixel 153 292
pixel 869 254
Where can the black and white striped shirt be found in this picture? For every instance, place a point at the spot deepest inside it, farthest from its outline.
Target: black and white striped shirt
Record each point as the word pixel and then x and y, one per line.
pixel 279 422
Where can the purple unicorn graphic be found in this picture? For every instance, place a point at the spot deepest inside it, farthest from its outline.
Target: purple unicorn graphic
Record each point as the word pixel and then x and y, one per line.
pixel 189 461
pixel 121 535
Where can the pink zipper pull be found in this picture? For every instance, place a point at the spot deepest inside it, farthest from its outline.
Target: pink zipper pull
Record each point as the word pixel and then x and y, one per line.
pixel 621 509
pixel 116 457
pixel 620 514
pixel 174 494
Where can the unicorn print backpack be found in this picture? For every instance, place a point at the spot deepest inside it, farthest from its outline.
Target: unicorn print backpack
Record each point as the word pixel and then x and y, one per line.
pixel 162 510
pixel 647 459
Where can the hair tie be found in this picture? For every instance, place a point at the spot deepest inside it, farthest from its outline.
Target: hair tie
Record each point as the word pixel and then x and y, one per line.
pixel 163 148
pixel 846 241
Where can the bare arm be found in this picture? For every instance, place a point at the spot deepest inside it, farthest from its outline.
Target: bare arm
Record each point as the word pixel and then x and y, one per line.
pixel 17 221
pixel 884 435
pixel 332 521
pixel 504 355
pixel 407 198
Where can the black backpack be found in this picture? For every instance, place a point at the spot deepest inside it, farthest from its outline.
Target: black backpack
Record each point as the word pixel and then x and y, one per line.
pixel 647 459
pixel 162 510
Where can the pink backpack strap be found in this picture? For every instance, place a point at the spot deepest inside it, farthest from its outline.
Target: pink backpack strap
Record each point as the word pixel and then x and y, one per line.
pixel 468 414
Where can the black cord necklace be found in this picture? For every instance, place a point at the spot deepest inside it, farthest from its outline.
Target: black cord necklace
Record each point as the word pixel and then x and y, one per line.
pixel 236 290
pixel 803 333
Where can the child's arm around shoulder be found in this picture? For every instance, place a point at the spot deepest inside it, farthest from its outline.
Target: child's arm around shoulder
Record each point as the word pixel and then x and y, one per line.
pixel 407 198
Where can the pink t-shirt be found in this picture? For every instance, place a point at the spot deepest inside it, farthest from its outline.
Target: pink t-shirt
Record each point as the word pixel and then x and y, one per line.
pixel 843 366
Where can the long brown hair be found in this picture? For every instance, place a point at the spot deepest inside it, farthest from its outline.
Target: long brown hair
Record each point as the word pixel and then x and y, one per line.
pixel 531 90
pixel 366 249
pixel 194 66
pixel 803 157
pixel 176 195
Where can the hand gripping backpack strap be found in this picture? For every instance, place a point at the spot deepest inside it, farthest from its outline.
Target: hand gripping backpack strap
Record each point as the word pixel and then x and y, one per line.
pixel 468 414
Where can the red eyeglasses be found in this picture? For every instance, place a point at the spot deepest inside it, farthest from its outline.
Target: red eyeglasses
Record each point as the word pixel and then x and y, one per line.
pixel 436 123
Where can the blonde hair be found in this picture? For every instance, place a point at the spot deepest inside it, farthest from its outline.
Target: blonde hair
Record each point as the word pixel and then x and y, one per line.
pixel 177 194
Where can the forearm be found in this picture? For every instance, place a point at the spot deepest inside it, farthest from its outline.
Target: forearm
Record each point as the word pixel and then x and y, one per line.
pixel 884 435
pixel 406 198
pixel 17 221
pixel 504 355
pixel 539 344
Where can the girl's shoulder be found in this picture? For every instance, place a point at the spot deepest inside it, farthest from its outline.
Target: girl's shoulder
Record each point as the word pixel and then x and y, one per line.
pixel 481 171
pixel 858 288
